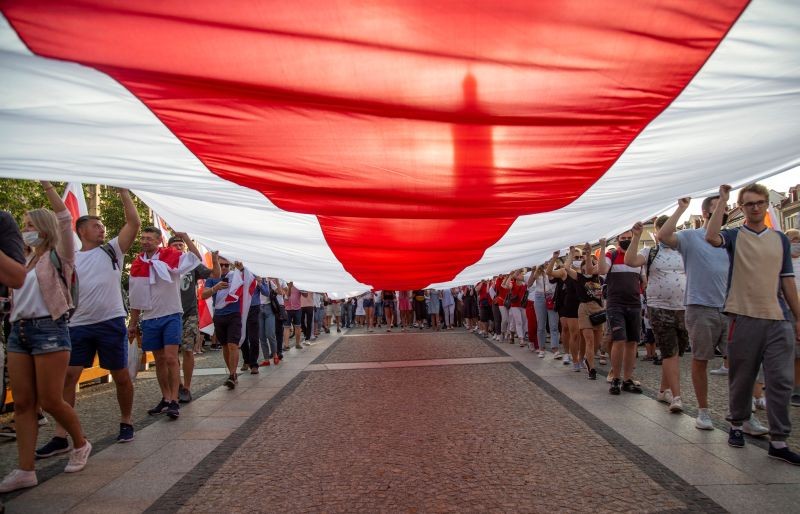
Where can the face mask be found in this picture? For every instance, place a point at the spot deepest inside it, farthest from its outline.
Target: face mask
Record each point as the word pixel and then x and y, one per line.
pixel 624 244
pixel 32 238
pixel 796 249
pixel 577 264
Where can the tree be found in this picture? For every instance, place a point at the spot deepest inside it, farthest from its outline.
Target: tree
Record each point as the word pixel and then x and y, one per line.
pixel 20 196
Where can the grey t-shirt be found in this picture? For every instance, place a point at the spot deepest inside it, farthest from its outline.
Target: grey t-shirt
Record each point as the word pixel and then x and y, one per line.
pixel 189 289
pixel 706 269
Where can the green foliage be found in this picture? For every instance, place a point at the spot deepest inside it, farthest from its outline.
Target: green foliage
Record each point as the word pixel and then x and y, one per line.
pixel 20 196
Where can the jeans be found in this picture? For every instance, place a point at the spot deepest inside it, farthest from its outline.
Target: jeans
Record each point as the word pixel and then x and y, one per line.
pixel 545 317
pixel 266 331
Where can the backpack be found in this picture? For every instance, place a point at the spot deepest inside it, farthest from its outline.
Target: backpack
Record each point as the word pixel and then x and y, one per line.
pixel 558 296
pixel 71 287
pixel 651 256
pixel 109 250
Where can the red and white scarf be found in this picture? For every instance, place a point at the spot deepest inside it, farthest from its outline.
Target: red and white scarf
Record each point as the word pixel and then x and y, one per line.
pixel 166 264
pixel 241 286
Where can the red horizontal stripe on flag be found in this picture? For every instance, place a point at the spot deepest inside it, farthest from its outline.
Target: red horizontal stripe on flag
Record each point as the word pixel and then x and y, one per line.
pixel 393 123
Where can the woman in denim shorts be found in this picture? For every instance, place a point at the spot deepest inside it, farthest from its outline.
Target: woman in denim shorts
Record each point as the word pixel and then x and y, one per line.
pixel 39 344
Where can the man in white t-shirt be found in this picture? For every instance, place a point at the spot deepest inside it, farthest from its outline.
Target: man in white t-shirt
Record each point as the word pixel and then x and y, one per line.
pixel 97 327
pixel 666 286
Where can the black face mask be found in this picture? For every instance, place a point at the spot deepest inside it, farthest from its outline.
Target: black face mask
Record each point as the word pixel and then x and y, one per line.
pixel 624 244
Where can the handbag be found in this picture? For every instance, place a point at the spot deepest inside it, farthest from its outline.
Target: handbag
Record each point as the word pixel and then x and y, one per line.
pixel 549 300
pixel 598 318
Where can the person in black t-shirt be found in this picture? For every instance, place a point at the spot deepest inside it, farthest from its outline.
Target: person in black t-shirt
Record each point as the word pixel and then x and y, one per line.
pixel 568 313
pixel 12 276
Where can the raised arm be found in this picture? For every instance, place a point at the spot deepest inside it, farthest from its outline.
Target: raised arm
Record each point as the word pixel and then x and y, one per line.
pixel 715 223
pixel 601 260
pixel 216 270
pixel 127 235
pixel 189 244
pixel 551 271
pixel 56 203
pixel 591 269
pixel 633 259
pixel 666 233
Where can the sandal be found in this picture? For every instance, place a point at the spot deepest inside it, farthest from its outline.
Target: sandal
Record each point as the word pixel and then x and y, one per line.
pixel 8 431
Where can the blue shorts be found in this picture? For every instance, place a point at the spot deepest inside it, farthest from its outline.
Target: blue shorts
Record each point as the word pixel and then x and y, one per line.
pixel 107 339
pixel 368 303
pixel 292 318
pixel 160 332
pixel 39 336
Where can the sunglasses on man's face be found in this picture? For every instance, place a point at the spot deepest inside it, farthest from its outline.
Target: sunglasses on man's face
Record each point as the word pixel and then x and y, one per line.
pixel 224 265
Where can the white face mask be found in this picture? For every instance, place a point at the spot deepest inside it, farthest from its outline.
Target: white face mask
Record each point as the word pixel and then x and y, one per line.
pixel 795 249
pixel 577 264
pixel 32 238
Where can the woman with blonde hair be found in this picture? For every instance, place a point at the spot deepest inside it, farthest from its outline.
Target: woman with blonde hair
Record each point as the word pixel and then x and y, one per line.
pixel 39 344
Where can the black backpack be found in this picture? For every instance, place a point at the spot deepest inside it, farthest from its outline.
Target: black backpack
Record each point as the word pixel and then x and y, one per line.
pixel 109 250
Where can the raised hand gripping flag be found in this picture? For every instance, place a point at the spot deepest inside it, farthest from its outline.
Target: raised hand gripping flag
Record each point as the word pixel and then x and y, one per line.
pixel 398 143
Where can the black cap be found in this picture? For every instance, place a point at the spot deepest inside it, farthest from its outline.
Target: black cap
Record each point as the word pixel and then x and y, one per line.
pixel 174 239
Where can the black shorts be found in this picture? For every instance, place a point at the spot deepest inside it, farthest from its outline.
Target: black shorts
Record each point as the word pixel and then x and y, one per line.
pixel 228 328
pixel 486 314
pixel 625 323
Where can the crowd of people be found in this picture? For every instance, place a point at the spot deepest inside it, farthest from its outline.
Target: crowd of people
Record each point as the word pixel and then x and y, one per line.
pixel 708 291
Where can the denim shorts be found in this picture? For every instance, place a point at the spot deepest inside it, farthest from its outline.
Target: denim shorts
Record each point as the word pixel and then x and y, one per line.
pixel 39 336
pixel 625 323
pixel 163 331
pixel 107 339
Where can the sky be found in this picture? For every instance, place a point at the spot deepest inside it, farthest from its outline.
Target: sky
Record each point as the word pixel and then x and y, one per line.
pixel 780 182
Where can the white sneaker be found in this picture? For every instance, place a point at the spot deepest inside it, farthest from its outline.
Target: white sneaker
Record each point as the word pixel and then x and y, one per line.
pixel 541 354
pixel 676 405
pixel 665 396
pixel 703 420
pixel 558 356
pixel 18 479
pixel 78 458
pixel 754 427
pixel 760 403
pixel 567 360
pixel 722 370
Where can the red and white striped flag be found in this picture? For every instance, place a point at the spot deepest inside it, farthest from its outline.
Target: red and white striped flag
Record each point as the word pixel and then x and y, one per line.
pixel 75 201
pixel 350 152
pixel 160 224
pixel 205 306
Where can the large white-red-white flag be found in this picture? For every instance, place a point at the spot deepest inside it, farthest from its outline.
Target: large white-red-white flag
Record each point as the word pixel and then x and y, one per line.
pixel 404 144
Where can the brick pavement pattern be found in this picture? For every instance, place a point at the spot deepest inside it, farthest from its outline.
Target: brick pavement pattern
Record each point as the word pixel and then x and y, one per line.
pixel 426 439
pixel 408 346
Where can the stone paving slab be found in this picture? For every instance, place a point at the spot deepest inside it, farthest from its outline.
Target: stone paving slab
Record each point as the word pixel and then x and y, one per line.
pixel 427 439
pixel 141 471
pixel 406 347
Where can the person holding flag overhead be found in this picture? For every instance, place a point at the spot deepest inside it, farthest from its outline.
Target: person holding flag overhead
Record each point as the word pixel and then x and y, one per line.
pixel 97 327
pixel 191 330
pixel 155 298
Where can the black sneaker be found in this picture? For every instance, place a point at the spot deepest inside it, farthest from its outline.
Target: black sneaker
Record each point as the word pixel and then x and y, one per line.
pixel 784 454
pixel 614 389
pixel 592 374
pixel 184 395
pixel 125 433
pixel 173 410
pixel 56 446
pixel 629 386
pixel 736 437
pixel 657 361
pixel 160 408
pixel 230 383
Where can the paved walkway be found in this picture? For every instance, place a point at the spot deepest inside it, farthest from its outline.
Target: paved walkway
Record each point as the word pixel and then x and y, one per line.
pixel 421 422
